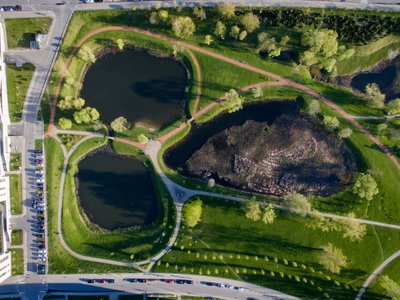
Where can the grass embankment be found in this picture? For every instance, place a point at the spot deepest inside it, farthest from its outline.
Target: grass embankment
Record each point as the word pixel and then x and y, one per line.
pixel 15 161
pixel 16 194
pixel 17 237
pixel 69 140
pixel 282 256
pixel 60 261
pixel 21 31
pixel 18 80
pixel 17 262
pixel 130 245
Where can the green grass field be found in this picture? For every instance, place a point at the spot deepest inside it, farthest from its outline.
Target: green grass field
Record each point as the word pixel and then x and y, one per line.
pixel 60 261
pixel 22 30
pixel 16 194
pixel 131 245
pixel 282 255
pixel 15 161
pixel 18 80
pixel 17 237
pixel 17 262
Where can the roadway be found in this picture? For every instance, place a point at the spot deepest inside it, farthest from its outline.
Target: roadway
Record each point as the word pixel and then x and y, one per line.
pixel 78 284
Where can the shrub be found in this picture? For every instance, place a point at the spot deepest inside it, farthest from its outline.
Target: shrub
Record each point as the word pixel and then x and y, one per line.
pixel 192 212
pixel 183 27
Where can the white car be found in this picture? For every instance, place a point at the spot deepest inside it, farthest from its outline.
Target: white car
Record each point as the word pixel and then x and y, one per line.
pixel 40 180
pixel 89 1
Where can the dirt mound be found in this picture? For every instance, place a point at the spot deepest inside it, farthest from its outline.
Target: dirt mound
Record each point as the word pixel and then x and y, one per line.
pixel 293 154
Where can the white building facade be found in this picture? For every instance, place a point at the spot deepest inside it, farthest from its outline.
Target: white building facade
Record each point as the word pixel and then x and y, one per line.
pixel 5 211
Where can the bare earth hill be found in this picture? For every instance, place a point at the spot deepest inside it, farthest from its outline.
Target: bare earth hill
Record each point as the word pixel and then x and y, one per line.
pixel 293 154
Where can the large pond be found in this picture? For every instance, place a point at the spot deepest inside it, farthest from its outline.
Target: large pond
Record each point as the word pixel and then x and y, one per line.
pixel 383 78
pixel 139 86
pixel 179 153
pixel 116 192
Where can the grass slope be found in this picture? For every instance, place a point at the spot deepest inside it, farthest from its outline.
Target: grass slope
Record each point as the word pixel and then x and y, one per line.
pixel 18 80
pixel 16 194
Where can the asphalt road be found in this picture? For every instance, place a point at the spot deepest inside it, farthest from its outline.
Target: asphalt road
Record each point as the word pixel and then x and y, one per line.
pixel 78 283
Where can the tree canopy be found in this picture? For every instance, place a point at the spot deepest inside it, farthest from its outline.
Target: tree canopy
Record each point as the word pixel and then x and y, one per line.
pixel 86 116
pixel 250 22
pixel 119 124
pixel 392 289
pixel 332 258
pixel 393 107
pixel 65 123
pixel 331 122
pixel 353 229
pixel 321 41
pixel 233 102
pixel 220 30
pixel 297 203
pixel 192 212
pixel 86 54
pixel 374 95
pixel 183 27
pixel 365 186
pixel 252 210
pixel 268 214
pixel 226 10
pixel 142 139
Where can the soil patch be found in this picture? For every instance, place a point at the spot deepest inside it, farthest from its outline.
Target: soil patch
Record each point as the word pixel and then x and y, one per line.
pixel 293 154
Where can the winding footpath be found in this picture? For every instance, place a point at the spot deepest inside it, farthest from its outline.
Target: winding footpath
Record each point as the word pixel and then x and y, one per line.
pixel 181 194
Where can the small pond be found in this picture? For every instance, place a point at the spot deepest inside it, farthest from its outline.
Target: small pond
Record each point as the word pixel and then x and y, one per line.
pixel 137 85
pixel 384 79
pixel 179 153
pixel 116 192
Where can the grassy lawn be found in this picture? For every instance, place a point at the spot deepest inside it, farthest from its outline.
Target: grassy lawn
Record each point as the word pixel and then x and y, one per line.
pixel 16 194
pixel 131 245
pixel 17 236
pixel 21 31
pixel 282 255
pixel 39 144
pixel 18 80
pixel 60 261
pixel 15 161
pixel 17 262
pixel 70 140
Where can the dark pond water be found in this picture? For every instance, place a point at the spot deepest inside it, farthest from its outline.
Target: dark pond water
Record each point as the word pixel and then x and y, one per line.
pixel 136 85
pixel 116 192
pixel 384 79
pixel 178 154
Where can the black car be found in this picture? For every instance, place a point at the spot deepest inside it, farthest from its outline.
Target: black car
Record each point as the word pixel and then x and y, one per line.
pixel 41 269
pixel 109 280
pixel 18 8
pixel 37 151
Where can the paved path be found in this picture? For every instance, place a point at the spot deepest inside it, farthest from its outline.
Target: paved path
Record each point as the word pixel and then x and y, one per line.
pixel 376 273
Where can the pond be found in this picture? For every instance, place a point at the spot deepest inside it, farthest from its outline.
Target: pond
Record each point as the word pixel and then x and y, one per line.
pixel 137 85
pixel 116 192
pixel 176 156
pixel 384 79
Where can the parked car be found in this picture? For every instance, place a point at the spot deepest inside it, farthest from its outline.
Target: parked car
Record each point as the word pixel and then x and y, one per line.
pixel 37 151
pixel 109 280
pixel 41 269
pixel 18 7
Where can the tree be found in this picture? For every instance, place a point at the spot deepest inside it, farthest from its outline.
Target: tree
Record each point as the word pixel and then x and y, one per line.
pixel 86 116
pixel 242 35
pixel 120 44
pixel 393 107
pixel 374 95
pixel 315 220
pixel 234 33
pixel 268 214
pixel 328 64
pixel 233 102
pixel 220 30
pixel 252 210
pixel 65 103
pixel 331 122
pixel 200 13
pixel 307 58
pixel 297 203
pixel 183 27
pixel 153 19
pixel 86 54
pixel 267 43
pixel 392 289
pixel 365 186
pixel 208 40
pixel 381 127
pixel 353 229
pixel 314 108
pixel 345 133
pixel 78 103
pixel 177 48
pixel 226 10
pixel 192 212
pixel 119 124
pixel 257 92
pixel 65 123
pixel 321 41
pixel 163 15
pixel 332 258
pixel 284 40
pixel 250 22
pixel 142 139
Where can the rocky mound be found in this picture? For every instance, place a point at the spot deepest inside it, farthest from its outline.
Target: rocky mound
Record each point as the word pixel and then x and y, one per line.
pixel 293 154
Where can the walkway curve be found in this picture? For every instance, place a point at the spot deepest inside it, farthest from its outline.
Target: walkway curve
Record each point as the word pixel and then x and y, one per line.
pixel 67 156
pixel 376 273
